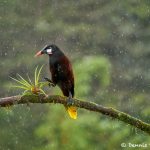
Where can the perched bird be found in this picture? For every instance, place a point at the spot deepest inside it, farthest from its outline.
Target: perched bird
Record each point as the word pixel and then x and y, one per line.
pixel 61 74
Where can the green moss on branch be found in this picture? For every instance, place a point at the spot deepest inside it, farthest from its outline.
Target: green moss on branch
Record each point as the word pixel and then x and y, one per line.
pixel 111 112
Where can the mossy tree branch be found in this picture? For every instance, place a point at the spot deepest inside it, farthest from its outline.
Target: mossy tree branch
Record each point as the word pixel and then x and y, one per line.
pixel 111 112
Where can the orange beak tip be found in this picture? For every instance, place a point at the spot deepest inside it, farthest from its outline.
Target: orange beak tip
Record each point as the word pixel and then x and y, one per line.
pixel 38 54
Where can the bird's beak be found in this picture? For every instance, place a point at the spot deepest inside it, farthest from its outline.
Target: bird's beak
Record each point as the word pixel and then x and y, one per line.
pixel 38 53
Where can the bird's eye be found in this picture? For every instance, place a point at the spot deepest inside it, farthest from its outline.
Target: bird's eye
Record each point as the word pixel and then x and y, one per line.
pixel 49 51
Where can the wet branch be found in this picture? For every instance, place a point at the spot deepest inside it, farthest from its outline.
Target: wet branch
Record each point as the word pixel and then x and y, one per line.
pixel 111 112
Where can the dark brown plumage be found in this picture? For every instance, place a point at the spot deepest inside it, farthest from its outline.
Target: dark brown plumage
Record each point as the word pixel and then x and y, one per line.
pixel 60 68
pixel 62 73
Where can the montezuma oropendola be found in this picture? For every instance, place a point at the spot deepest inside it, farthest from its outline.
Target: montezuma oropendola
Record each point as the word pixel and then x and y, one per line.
pixel 61 74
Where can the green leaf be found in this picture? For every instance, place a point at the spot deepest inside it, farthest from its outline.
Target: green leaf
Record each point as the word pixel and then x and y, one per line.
pixel 20 82
pixel 22 79
pixel 42 84
pixel 42 92
pixel 39 72
pixel 35 76
pixel 21 87
pixel 31 83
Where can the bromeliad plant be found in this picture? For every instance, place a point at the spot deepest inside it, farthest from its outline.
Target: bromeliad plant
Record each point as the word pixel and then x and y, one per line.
pixel 28 85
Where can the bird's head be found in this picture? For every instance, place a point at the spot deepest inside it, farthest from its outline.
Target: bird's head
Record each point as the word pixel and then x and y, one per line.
pixel 49 50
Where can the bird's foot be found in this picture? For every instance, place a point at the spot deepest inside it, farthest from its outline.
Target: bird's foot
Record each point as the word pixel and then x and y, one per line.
pixel 70 101
pixel 50 82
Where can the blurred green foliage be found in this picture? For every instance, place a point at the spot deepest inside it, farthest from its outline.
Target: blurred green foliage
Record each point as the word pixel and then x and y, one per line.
pixel 92 73
pixel 108 44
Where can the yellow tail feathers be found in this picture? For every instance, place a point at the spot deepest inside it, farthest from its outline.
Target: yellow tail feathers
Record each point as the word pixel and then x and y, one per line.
pixel 72 111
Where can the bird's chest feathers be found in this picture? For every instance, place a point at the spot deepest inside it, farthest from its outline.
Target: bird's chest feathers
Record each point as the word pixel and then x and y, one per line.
pixel 59 71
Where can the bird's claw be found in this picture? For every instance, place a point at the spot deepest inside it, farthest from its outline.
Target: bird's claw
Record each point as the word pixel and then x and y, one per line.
pixel 47 79
pixel 50 82
pixel 70 101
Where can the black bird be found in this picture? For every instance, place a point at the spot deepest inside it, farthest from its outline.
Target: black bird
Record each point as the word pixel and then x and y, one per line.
pixel 61 74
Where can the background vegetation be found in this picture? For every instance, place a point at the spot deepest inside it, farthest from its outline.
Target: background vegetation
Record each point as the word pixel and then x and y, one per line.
pixel 108 44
